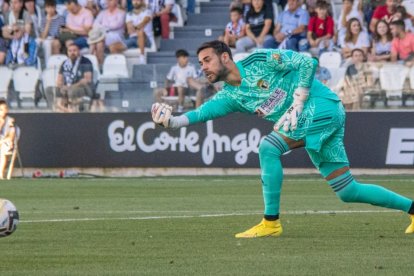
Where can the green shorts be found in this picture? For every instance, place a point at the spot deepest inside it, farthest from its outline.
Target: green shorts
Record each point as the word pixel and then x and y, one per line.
pixel 322 126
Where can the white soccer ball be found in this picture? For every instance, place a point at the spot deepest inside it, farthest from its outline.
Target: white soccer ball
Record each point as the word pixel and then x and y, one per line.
pixel 9 217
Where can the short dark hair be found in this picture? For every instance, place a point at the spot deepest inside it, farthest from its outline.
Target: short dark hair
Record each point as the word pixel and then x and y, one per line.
pixel 398 23
pixel 50 3
pixel 322 5
pixel 68 2
pixel 3 101
pixel 181 53
pixel 219 47
pixel 237 9
pixel 357 50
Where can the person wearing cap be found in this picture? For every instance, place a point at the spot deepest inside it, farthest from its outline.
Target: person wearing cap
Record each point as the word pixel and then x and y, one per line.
pixel 112 21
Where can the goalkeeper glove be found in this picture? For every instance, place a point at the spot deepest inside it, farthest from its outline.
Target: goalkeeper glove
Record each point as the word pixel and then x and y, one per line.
pixel 289 120
pixel 161 114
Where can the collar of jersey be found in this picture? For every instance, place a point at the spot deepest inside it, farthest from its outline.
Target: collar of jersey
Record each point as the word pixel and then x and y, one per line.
pixel 241 69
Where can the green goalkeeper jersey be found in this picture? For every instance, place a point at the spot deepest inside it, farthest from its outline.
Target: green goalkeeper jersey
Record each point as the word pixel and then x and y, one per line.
pixel 269 79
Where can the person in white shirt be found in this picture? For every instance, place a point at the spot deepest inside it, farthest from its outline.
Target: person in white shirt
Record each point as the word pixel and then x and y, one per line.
pixel 355 37
pixel 139 27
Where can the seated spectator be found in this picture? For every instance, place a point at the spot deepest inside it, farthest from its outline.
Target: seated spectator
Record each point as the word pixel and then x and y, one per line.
pixel 74 81
pixel 162 15
pixel 321 30
pixel 139 27
pixel 355 37
pixel 79 21
pixel 381 46
pixel 36 15
pixel 290 28
pixel 183 77
pixel 16 15
pixel 358 77
pixel 259 26
pixel 49 30
pixel 235 29
pixel 22 49
pixel 385 12
pixel 402 45
pixel 7 137
pixel 92 5
pixel 322 73
pixel 348 11
pixel 401 14
pixel 3 44
pixel 112 20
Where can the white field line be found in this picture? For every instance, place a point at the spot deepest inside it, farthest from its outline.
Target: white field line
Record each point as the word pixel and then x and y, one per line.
pixel 308 212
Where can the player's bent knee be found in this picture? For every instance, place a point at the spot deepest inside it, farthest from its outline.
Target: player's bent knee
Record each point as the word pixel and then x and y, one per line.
pixel 272 145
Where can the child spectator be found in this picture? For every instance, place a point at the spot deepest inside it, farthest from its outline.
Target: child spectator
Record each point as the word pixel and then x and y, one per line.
pixel 49 30
pixel 182 76
pixel 358 77
pixel 235 29
pixel 355 37
pixel 139 27
pixel 320 30
pixel 381 46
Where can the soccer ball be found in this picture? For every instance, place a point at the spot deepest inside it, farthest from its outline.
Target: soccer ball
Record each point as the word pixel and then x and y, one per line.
pixel 9 217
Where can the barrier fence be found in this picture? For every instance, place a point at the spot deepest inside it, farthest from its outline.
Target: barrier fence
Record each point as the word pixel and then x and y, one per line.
pixel 112 140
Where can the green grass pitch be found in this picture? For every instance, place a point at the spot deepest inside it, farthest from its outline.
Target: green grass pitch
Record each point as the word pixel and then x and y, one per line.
pixel 186 226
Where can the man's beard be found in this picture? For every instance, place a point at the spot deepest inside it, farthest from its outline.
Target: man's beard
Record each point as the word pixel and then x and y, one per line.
pixel 221 74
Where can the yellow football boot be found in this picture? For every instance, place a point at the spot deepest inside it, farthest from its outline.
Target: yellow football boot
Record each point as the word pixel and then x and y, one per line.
pixel 410 228
pixel 265 228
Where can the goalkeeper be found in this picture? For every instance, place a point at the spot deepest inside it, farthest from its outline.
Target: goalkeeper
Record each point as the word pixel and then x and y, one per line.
pixel 279 86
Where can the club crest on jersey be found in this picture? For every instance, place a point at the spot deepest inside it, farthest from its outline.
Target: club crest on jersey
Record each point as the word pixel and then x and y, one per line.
pixel 263 84
pixel 277 57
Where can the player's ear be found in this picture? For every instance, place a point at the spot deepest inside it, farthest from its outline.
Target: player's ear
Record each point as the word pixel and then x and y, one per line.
pixel 225 58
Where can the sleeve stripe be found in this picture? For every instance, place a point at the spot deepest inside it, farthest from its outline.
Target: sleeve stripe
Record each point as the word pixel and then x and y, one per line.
pixel 253 56
pixel 245 64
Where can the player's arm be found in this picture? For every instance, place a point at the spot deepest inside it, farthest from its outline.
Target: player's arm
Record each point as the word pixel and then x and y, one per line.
pixel 217 107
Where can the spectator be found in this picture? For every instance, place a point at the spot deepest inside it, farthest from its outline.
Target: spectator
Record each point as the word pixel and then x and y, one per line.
pixel 139 27
pixel 182 76
pixel 385 12
pixel 402 45
pixel 49 30
pixel 259 26
pixel 322 73
pixel 321 29
pixel 235 29
pixel 112 20
pixel 162 15
pixel 348 11
pixel 22 49
pixel 355 37
pixel 79 22
pixel 36 15
pixel 358 77
pixel 381 46
pixel 74 81
pixel 401 14
pixel 7 136
pixel 16 15
pixel 92 5
pixel 290 28
pixel 3 44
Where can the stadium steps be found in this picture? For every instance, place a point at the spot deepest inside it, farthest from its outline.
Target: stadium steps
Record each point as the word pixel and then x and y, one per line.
pixel 168 57
pixel 190 44
pixel 135 96
pixel 150 72
pixel 211 32
pixel 219 19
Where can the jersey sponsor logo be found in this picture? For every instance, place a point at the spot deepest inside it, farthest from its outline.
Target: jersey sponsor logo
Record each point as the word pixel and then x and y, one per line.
pixel 400 149
pixel 275 98
pixel 263 84
pixel 277 57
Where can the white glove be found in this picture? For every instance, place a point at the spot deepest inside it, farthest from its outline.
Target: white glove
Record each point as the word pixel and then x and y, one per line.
pixel 161 114
pixel 289 120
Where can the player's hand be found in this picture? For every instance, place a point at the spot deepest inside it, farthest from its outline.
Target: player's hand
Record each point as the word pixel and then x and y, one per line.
pixel 161 114
pixel 289 120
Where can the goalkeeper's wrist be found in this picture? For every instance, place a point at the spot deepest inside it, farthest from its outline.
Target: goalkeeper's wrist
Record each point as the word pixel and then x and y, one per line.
pixel 301 94
pixel 178 121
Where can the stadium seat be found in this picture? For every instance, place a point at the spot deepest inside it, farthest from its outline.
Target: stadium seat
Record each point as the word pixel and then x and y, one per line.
pixel 176 10
pixel 409 6
pixel 330 60
pixel 392 78
pixel 55 61
pixel 14 154
pixel 336 82
pixel 25 80
pixel 115 66
pixel 96 72
pixel 411 75
pixel 5 78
